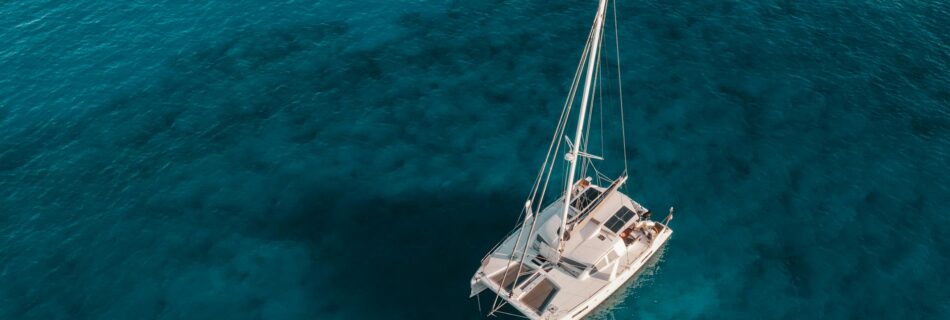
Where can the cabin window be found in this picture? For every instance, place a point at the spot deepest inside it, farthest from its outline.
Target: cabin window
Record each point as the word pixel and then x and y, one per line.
pixel 538 242
pixel 612 255
pixel 572 267
pixel 619 219
pixel 600 265
pixel 586 198
pixel 541 240
pixel 573 263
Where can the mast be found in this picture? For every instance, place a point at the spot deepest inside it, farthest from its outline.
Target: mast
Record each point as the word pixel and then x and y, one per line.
pixel 592 57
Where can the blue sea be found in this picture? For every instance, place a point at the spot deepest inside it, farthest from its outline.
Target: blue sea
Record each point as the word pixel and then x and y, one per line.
pixel 293 159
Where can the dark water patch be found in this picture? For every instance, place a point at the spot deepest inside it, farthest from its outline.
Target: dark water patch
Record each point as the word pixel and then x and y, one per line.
pixel 15 156
pixel 391 252
pixel 930 127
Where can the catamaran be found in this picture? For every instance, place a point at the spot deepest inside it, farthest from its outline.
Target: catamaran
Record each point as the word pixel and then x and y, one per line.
pixel 564 260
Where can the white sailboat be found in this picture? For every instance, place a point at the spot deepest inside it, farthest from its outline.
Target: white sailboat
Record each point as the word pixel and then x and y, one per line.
pixel 564 260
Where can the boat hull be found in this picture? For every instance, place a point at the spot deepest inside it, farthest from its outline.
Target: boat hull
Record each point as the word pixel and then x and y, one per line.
pixel 622 278
pixel 480 283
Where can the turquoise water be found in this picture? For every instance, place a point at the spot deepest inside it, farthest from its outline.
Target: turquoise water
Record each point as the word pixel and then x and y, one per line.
pixel 354 160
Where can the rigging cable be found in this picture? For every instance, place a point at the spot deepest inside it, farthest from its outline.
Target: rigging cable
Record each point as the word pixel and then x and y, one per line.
pixel 623 130
pixel 555 146
pixel 585 162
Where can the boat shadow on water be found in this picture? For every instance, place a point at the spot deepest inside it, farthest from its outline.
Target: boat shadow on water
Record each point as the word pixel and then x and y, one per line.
pixel 397 257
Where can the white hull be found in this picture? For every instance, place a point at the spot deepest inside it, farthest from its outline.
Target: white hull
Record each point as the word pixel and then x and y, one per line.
pixel 622 279
pixel 591 304
pixel 597 260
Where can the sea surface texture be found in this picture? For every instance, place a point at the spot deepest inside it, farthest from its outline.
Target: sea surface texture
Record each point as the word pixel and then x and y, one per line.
pixel 355 159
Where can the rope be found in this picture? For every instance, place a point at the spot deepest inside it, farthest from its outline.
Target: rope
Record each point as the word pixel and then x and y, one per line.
pixel 623 130
pixel 585 162
pixel 478 297
pixel 552 150
pixel 511 314
pixel 596 99
pixel 600 175
pixel 600 100
pixel 603 148
pixel 583 147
